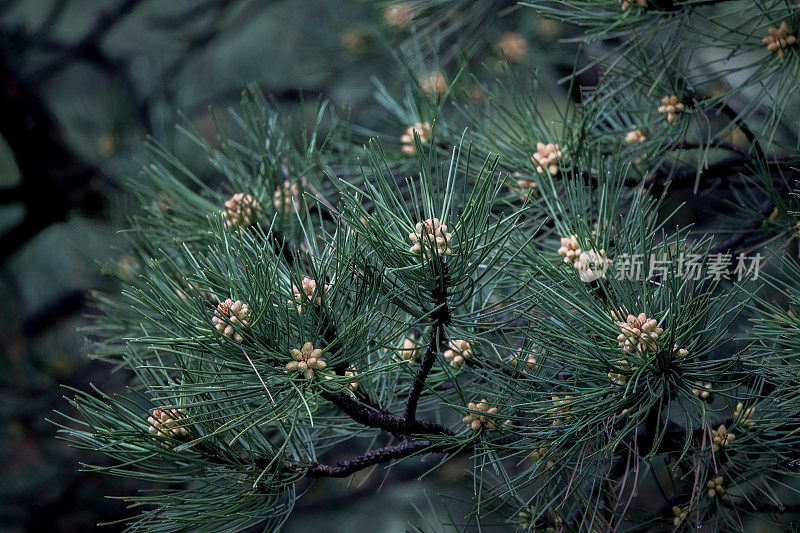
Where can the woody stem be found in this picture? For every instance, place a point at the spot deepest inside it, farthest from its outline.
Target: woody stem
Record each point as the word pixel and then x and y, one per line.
pixel 441 317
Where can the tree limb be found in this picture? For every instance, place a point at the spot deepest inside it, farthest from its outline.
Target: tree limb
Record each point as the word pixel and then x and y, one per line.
pixel 441 317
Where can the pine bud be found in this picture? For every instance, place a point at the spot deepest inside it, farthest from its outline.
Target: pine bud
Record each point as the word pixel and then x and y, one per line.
pixel 353 41
pixel 164 202
pixel 433 84
pixel 304 295
pixel 430 234
pixel 679 353
pixel 106 145
pixel 623 365
pixel 561 409
pixel 165 422
pixel 570 249
pixel 193 290
pixel 398 14
pixel 538 454
pixel 129 265
pixel 306 360
pixel 525 518
pixel 779 39
pixel 626 4
pixel 702 390
pixel 458 352
pixel 286 196
pixel 547 29
pixel 523 186
pixel 410 351
pixel 592 265
pixel 715 487
pixel 680 515
pixel 423 129
pixel 530 359
pixel 639 334
pixel 477 420
pixel 351 373
pixel 721 438
pixel 635 136
pixel 744 418
pixel 229 316
pixel 604 227
pixel 513 46
pixel 671 106
pixel 241 211
pixel 546 158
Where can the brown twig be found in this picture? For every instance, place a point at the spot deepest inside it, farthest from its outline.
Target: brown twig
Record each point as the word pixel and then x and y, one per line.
pixel 441 316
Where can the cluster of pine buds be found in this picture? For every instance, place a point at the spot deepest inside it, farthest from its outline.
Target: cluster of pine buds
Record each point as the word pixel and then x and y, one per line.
pixel 529 359
pixel 639 334
pixel 193 289
pixel 353 41
pixel 592 265
pixel 623 365
pixel 702 390
pixel 721 437
pixel 166 422
pixel 671 106
pixel 779 39
pixel 626 4
pixel 306 360
pixel 286 196
pixel 744 416
pixel 477 421
pixel 716 486
pixel 408 146
pixel 680 515
pixel 525 518
pixel 351 373
pixel 570 249
pixel 304 295
pixel 539 453
pixel 433 84
pixel 523 185
pixel 560 410
pixel 458 352
pixel 241 211
pixel 513 46
pixel 230 315
pixel 635 136
pixel 410 350
pixel 679 353
pixel 430 234
pixel 546 158
pixel 398 14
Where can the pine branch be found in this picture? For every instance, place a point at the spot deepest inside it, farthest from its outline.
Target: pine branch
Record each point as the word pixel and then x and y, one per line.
pixel 372 416
pixel 404 449
pixel 365 460
pixel 324 502
pixel 441 317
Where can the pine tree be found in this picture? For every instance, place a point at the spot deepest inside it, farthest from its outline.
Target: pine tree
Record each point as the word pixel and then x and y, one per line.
pixel 503 277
